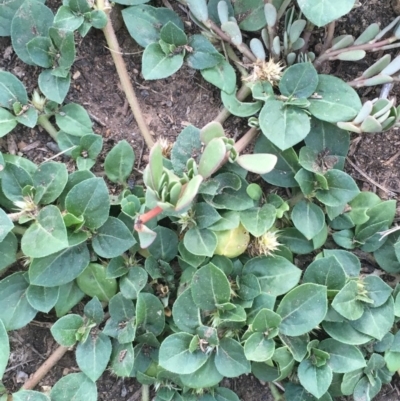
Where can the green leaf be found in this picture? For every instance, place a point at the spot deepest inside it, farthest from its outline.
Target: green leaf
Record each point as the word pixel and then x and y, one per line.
pixel 59 268
pixel 326 271
pixel 47 235
pixel 92 356
pixel 376 322
pixel 286 167
pixel 8 9
pixel 29 395
pixel 42 299
pixel 296 241
pixel 4 349
pixel 365 390
pixel 39 51
pixel 74 386
pixel 173 35
pixel 204 54
pixel 174 354
pixel 206 376
pixel 275 274
pixel 132 283
pixel 145 22
pixel 67 19
pixel 186 313
pixel 15 310
pixel 338 102
pixel 12 90
pixel 54 88
pixel 7 122
pixel 257 163
pixel 346 302
pixel 377 290
pixel 308 218
pixel 13 181
pixel 69 295
pixel 343 358
pixel 64 330
pixel 89 199
pixel 32 19
pixel 222 76
pixel 316 380
pixel 283 125
pixel 112 239
pixel 205 215
pixel 302 309
pixel 238 108
pixel 349 262
pixel 345 333
pixel 258 220
pixel 65 44
pixel 210 287
pixel 386 255
pixel 149 314
pixel 119 162
pixel 230 359
pixel 258 348
pixel 49 181
pixel 253 13
pixel 6 225
pixel 165 246
pixel 74 120
pixel 93 282
pixel 94 311
pixel 324 11
pixel 202 242
pixel 98 19
pixel 158 65
pixel 299 80
pixel 342 189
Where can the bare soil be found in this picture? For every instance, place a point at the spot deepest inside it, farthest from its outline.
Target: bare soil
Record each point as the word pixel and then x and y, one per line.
pixel 169 105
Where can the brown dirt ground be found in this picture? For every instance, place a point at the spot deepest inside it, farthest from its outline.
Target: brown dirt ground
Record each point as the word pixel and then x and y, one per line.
pixel 169 105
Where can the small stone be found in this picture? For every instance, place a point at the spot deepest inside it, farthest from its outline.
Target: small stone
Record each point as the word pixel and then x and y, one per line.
pixel 76 75
pixel 21 377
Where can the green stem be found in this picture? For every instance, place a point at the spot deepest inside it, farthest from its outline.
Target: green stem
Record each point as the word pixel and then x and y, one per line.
pixel 275 393
pixel 282 9
pixel 120 65
pixel 145 392
pixel 44 122
pixel 15 216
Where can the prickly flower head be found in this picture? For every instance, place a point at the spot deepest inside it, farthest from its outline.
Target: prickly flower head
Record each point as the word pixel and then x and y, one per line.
pixel 266 244
pixel 166 146
pixel 270 71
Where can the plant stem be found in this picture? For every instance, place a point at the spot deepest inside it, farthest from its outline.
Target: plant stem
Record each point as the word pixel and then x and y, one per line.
pixel 242 47
pixel 241 95
pixel 19 230
pixel 145 392
pixel 45 368
pixel 126 84
pixel 282 9
pixel 275 393
pixel 330 31
pixel 15 216
pixel 44 122
pixel 144 218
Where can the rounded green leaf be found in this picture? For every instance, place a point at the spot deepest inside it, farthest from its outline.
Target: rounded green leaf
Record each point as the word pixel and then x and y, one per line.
pixel 64 330
pixel 49 181
pixel 238 108
pixel 32 19
pixel 303 309
pixel 133 282
pixel 346 302
pixel 299 80
pixel 4 348
pixel 337 102
pixel 230 359
pixel 259 348
pixel 345 333
pixel 258 220
pixel 93 282
pixel 165 246
pixel 47 235
pixel 201 242
pixel 283 125
pixel 343 358
pixel 149 314
pixel 316 380
pixel 222 76
pixel 199 9
pixel 323 12
pixel 210 287
pixel 59 268
pixel 30 395
pixel 12 90
pixel 42 299
pixel 275 274
pixel 308 218
pixel 112 239
pixel 74 386
pixel 7 122
pixel 175 356
pixel 92 356
pixel 53 87
pixel 186 313
pixel 119 162
pixel 13 181
pixel 74 120
pixel 89 199
pixel 261 163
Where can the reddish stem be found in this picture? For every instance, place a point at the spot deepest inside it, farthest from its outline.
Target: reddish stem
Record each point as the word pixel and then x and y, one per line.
pixel 144 218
